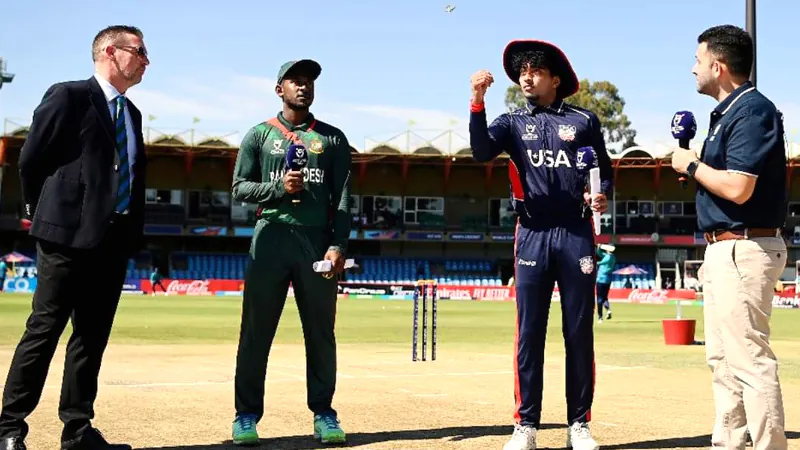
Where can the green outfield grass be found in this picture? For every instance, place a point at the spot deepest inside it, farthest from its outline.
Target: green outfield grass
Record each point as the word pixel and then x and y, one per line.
pixel 632 338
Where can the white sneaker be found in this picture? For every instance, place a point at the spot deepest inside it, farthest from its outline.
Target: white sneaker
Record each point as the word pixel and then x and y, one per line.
pixel 524 438
pixel 580 438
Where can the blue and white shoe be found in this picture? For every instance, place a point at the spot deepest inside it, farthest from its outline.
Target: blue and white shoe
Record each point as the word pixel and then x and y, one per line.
pixel 327 429
pixel 244 430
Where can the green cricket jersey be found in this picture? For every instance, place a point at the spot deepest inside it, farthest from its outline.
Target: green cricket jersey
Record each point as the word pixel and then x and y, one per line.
pixel 325 198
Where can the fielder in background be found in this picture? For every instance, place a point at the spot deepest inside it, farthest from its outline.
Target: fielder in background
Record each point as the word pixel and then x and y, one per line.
pixel 303 216
pixel 605 266
pixel 741 208
pixel 554 239
pixel 155 280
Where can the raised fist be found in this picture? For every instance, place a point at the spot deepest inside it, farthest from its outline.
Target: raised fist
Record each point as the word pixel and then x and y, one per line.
pixel 481 81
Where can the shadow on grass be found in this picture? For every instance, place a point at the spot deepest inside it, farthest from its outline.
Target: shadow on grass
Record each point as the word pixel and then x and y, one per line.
pixel 453 434
pixel 306 442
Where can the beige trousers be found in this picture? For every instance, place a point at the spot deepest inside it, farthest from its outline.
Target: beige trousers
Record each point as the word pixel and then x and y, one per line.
pixel 739 277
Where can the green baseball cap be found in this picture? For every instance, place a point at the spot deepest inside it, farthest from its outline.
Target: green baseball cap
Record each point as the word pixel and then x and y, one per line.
pixel 307 66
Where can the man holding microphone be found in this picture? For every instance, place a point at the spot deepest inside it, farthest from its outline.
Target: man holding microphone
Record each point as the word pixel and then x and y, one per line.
pixel 741 208
pixel 554 239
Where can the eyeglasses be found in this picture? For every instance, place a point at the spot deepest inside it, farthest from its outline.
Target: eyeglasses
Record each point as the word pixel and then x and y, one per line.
pixel 140 51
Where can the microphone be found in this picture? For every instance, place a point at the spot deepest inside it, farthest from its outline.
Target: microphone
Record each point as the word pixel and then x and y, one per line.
pixel 586 163
pixel 585 159
pixel 296 159
pixel 684 127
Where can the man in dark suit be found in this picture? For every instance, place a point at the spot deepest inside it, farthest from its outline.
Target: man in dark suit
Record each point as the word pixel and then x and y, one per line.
pixel 83 175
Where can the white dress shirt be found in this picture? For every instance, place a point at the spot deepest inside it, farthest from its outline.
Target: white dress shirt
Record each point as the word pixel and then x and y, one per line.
pixel 111 95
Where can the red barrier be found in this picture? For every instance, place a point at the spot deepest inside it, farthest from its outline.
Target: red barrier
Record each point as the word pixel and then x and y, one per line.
pixel 443 291
pixel 196 287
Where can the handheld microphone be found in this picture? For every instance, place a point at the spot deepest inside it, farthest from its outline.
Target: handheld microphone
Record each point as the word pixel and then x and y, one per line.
pixel 296 159
pixel 586 163
pixel 683 128
pixel 585 159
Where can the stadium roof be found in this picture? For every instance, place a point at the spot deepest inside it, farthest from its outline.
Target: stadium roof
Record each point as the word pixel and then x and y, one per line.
pixel 412 142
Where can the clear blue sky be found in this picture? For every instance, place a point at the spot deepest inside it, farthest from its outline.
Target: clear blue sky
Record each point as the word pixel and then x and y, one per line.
pixel 386 63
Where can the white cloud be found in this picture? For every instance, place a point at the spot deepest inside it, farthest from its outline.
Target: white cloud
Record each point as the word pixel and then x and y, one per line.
pixel 234 103
pixel 421 118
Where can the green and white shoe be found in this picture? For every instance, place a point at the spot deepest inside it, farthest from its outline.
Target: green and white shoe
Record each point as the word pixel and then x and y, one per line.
pixel 327 429
pixel 244 430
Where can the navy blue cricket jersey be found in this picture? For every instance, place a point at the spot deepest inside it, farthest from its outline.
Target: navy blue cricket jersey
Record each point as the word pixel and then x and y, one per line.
pixel 541 143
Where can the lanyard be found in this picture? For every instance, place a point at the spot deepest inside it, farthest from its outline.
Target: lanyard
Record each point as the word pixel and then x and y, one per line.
pixel 290 135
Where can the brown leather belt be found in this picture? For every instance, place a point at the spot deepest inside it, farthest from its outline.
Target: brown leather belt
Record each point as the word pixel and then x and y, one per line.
pixel 748 233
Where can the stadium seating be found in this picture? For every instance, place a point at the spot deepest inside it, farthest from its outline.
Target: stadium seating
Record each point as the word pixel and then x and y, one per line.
pixel 646 280
pixel 198 266
pixel 373 270
pixel 409 270
pixel 137 272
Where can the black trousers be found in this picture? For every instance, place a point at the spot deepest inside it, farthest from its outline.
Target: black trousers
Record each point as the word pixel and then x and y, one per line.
pixel 280 254
pixel 61 295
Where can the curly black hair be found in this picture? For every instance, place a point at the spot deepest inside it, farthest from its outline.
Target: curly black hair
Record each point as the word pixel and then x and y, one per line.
pixel 730 45
pixel 535 60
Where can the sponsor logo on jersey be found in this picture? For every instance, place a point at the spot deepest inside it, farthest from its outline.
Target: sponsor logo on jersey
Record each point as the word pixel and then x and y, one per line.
pixel 523 262
pixel 548 158
pixel 587 264
pixel 530 133
pixel 276 147
pixel 313 175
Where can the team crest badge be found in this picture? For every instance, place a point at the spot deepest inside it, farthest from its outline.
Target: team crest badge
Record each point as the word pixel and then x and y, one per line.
pixel 530 133
pixel 567 132
pixel 316 147
pixel 587 264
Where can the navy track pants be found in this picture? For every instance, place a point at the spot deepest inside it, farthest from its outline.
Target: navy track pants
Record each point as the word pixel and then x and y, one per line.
pixel 543 257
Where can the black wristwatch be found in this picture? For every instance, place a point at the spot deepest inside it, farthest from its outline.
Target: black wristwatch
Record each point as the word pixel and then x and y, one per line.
pixel 692 167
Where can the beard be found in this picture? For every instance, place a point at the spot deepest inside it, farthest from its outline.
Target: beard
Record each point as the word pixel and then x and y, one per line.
pixel 299 105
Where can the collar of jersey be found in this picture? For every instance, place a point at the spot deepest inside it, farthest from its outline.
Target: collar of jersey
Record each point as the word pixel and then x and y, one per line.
pixel 737 93
pixel 557 106
pixel 290 126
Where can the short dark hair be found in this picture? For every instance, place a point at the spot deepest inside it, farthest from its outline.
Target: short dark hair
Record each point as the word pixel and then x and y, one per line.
pixel 112 33
pixel 536 60
pixel 732 45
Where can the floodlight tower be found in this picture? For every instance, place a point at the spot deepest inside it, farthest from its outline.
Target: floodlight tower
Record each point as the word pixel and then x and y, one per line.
pixel 5 77
pixel 750 20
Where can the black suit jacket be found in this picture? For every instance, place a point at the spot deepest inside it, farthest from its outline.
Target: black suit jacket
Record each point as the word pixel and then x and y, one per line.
pixel 69 167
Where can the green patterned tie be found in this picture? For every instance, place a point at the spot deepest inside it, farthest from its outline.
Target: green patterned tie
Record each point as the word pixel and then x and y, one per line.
pixel 124 191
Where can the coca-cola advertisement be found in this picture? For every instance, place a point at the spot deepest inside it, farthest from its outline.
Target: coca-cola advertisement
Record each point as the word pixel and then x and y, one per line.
pixel 195 287
pixel 651 296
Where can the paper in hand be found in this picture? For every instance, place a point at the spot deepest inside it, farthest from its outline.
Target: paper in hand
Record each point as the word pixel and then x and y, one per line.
pixel 594 188
pixel 326 266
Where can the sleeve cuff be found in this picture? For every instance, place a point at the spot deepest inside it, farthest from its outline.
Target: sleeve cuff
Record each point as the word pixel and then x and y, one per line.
pixel 743 171
pixel 477 107
pixel 279 189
